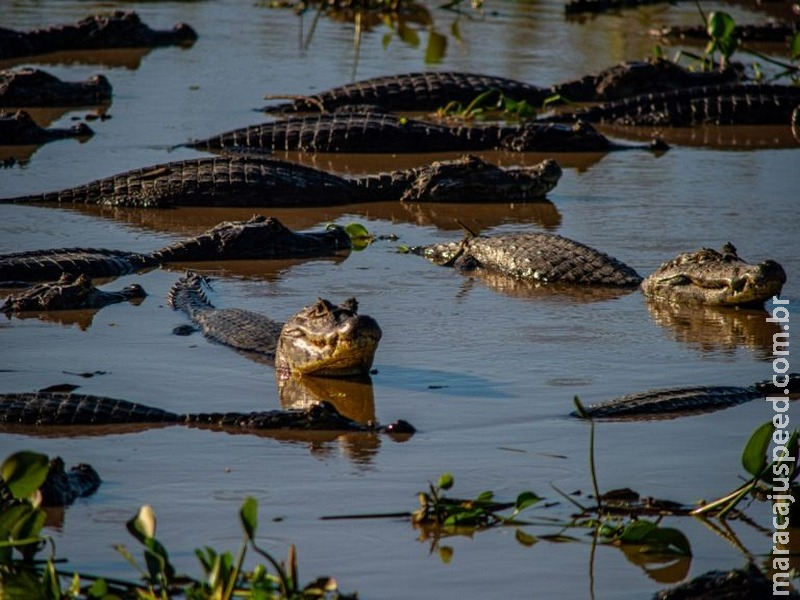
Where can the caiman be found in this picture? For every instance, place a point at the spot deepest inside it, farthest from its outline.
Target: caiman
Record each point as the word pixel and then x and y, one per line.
pixel 540 258
pixel 747 583
pixel 34 87
pixel 376 131
pixel 60 487
pixel 770 31
pixel 257 238
pixel 704 277
pixel 322 339
pixel 434 90
pixel 54 408
pixel 715 278
pixel 725 104
pixel 19 129
pixel 672 403
pixel 412 92
pixel 634 78
pixel 256 181
pixel 70 292
pixel 118 29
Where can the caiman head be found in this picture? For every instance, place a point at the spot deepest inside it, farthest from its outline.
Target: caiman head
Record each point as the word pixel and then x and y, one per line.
pixel 470 179
pixel 715 278
pixel 327 340
pixel 258 237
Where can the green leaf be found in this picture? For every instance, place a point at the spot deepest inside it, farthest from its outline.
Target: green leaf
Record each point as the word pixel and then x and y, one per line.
pixel 446 481
pixel 436 48
pixel 524 500
pixel 636 532
pixel 143 525
pixel 579 408
pixel 484 497
pixel 668 539
pixel 720 25
pixel 408 35
pixel 526 539
pixel 248 515
pixel 97 590
pixel 357 231
pixel 794 47
pixel 24 472
pixel 754 457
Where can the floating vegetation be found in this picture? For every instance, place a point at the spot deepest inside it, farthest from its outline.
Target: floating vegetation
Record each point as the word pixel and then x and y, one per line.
pixel 22 575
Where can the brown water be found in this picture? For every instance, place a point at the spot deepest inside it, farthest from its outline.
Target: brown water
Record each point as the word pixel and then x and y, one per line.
pixel 486 372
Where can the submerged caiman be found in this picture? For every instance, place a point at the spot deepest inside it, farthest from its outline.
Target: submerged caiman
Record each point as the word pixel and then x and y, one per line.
pixel 725 104
pixel 53 408
pixel 703 277
pixel 118 29
pixel 255 181
pixel 70 292
pixel 672 403
pixel 322 339
pixel 433 90
pixel 34 87
pixel 18 129
pixel 60 487
pixel 376 131
pixel 257 238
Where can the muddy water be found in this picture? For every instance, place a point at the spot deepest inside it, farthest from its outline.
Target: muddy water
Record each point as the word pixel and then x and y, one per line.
pixel 486 371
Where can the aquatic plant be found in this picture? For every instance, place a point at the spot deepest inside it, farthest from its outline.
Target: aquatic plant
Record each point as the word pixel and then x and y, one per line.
pixel 224 576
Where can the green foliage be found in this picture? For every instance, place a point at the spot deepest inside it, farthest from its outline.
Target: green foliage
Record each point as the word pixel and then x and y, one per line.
pixel 488 103
pixel 480 512
pixel 648 536
pixel 21 522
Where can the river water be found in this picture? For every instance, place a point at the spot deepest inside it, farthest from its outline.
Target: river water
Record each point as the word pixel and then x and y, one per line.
pixel 486 372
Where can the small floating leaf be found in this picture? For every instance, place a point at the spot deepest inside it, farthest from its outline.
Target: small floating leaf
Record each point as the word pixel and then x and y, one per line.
pixel 525 539
pixel 524 500
pixel 24 472
pixel 445 481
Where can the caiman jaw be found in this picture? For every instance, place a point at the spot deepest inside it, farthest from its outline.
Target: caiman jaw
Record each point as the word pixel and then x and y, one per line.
pixel 328 341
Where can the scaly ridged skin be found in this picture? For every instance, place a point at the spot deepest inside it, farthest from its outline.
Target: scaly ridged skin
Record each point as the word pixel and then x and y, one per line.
pixel 381 132
pixel 116 30
pixel 639 77
pixel 726 104
pixel 746 583
pixel 678 402
pixel 216 181
pixel 322 339
pixel 71 292
pixel 715 278
pixel 40 265
pixel 54 408
pixel 463 180
pixel 20 129
pixel 251 181
pixel 257 238
pixel 34 87
pixel 413 91
pixel 536 257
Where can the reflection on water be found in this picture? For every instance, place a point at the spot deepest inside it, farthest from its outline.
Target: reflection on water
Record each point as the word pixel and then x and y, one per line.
pixel 354 398
pixel 712 329
pixel 127 58
pixel 719 137
pixel 544 292
pixel 445 216
pixel 82 318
